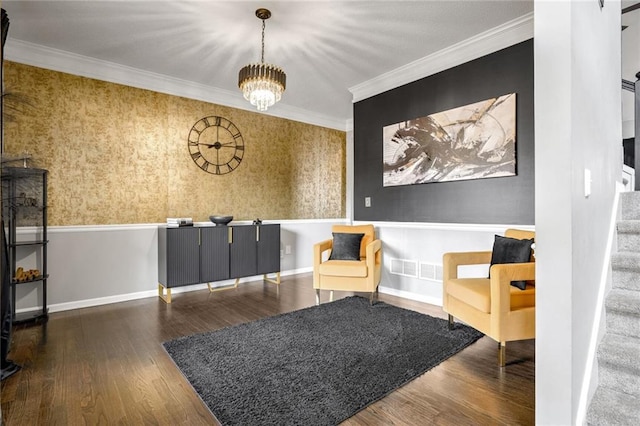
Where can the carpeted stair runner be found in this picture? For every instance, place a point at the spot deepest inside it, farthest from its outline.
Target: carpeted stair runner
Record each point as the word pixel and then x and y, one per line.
pixel 617 399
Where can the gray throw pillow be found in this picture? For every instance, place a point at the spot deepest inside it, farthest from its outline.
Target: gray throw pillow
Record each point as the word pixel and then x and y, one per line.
pixel 346 246
pixel 511 250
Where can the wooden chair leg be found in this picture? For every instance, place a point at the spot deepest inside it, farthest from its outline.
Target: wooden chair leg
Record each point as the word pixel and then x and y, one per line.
pixel 502 354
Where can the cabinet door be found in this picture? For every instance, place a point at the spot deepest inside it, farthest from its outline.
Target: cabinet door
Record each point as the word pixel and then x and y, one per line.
pixel 268 248
pixel 243 251
pixel 182 256
pixel 214 253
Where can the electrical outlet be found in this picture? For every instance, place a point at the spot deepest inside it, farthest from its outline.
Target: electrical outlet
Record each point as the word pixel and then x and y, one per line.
pixel 287 249
pixel 367 201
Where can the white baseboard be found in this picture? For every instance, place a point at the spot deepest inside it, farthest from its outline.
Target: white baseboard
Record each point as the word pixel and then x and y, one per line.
pixel 98 301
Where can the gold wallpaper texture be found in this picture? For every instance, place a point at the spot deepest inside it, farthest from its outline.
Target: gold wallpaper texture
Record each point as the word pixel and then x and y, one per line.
pixel 118 155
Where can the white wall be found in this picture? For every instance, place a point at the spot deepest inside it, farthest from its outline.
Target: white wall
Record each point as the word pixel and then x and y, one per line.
pixel 578 127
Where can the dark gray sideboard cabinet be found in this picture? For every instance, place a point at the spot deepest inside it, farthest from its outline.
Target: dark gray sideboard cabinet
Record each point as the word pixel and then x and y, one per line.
pixel 193 255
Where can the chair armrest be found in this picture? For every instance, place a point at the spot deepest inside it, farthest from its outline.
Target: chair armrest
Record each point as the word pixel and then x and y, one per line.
pixel 320 248
pixel 501 277
pixel 451 261
pixel 373 254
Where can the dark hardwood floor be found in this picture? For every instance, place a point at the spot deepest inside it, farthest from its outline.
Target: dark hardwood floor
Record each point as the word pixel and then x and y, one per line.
pixel 105 365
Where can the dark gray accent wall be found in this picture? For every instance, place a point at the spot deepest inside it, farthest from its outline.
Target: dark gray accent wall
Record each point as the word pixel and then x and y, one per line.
pixel 503 200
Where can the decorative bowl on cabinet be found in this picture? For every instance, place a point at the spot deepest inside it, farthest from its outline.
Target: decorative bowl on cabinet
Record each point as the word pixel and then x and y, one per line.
pixel 221 220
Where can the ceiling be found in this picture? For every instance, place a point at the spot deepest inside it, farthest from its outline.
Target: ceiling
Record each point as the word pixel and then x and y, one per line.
pixel 325 47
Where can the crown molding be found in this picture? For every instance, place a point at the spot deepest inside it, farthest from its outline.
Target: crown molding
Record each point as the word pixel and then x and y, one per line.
pixel 59 60
pixel 490 41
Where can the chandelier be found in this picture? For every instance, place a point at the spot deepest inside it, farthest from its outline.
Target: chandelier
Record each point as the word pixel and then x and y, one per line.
pixel 262 84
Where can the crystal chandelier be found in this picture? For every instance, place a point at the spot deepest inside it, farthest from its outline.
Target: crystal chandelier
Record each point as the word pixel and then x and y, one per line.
pixel 262 84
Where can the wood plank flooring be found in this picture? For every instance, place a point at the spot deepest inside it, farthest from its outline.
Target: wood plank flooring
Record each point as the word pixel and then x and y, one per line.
pixel 105 365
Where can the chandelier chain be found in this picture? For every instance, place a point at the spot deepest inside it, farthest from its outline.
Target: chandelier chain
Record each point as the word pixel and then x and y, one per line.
pixel 262 56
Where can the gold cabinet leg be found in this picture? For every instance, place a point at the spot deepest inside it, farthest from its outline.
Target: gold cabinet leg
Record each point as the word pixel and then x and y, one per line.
pixel 226 287
pixel 502 354
pixel 317 296
pixel 275 280
pixel 167 297
pixel 330 295
pixel 451 322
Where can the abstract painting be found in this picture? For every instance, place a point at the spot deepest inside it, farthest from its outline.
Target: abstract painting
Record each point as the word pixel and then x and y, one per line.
pixel 474 141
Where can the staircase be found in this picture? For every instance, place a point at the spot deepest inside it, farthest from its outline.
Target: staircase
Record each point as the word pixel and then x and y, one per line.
pixel 617 398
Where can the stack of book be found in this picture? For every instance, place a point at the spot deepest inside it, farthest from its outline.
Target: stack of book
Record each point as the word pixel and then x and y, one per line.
pixel 176 222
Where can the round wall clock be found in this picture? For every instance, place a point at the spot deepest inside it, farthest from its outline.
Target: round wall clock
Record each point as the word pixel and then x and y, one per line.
pixel 216 145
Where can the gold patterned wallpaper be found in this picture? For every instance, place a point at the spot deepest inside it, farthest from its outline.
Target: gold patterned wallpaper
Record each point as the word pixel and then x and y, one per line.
pixel 118 155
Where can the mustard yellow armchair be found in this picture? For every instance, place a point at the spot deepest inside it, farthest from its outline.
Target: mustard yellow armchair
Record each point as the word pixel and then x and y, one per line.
pixel 492 305
pixel 361 274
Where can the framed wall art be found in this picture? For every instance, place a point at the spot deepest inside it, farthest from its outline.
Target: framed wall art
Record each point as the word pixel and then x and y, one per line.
pixel 474 141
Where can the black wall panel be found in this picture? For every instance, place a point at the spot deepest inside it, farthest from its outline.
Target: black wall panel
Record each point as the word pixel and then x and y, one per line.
pixel 502 200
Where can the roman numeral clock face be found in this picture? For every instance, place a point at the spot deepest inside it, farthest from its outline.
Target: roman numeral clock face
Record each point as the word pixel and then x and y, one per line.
pixel 216 145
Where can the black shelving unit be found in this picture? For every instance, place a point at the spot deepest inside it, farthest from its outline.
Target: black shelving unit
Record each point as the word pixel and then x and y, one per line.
pixel 24 204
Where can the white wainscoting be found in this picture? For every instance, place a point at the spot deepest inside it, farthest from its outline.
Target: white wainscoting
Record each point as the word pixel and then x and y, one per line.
pixel 96 265
pixel 426 243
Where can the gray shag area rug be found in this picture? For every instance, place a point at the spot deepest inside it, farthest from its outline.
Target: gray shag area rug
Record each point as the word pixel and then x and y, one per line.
pixel 315 366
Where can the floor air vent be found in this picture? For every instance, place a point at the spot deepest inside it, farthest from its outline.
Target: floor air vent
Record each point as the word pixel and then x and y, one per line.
pixel 404 267
pixel 430 271
pixel 415 269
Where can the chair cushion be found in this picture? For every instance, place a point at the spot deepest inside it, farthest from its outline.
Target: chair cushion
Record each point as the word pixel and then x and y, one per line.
pixel 476 292
pixel 511 250
pixel 343 268
pixel 346 246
